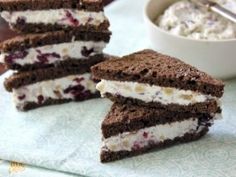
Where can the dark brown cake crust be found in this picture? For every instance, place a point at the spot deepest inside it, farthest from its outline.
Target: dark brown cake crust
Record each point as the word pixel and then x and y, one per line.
pixel 209 106
pixel 41 27
pixel 69 63
pixel 30 77
pixel 21 5
pixel 129 117
pixel 22 42
pixel 108 156
pixel 150 67
pixel 32 105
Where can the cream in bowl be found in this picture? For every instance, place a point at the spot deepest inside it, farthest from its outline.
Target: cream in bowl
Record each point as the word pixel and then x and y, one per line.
pixel 185 18
pixel 196 35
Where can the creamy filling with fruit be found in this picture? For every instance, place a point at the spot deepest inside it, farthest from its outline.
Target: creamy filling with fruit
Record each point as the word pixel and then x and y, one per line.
pixel 136 140
pixel 152 93
pixel 184 18
pixel 66 17
pixel 51 53
pixel 70 87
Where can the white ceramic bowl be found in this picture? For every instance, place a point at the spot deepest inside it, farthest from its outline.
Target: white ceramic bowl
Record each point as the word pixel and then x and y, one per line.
pixel 217 58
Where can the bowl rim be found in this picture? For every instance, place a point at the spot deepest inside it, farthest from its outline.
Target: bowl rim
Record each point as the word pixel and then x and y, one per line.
pixel 147 18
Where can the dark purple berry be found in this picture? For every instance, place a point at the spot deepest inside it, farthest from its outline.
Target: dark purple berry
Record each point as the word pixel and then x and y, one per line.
pixel 72 20
pixel 136 146
pixel 78 91
pixel 22 97
pixel 74 89
pixel 40 99
pixel 145 134
pixel 21 21
pixel 16 55
pixel 44 57
pixel 86 52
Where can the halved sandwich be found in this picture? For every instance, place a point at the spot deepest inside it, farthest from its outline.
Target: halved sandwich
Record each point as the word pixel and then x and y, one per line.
pixel 48 86
pixel 130 130
pixel 151 79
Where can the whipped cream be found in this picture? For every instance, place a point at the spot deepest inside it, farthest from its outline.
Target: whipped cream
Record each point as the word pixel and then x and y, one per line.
pixel 69 87
pixel 152 93
pixel 136 140
pixel 184 18
pixel 51 53
pixel 55 16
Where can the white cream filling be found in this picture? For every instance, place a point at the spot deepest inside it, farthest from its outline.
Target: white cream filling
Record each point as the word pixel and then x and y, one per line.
pixel 129 141
pixel 54 89
pixel 56 16
pixel 152 93
pixel 62 51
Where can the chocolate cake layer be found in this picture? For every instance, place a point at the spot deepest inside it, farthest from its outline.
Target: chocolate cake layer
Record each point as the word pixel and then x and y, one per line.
pixel 129 117
pixel 210 106
pixel 23 27
pixel 71 67
pixel 153 68
pixel 20 5
pixel 68 63
pixel 109 156
pixel 22 42
pixel 33 105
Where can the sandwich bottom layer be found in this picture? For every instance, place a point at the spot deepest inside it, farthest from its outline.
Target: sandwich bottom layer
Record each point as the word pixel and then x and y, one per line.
pixel 130 143
pixel 109 156
pixel 56 91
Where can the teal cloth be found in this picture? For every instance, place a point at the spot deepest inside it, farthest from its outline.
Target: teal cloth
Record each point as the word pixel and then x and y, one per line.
pixel 68 137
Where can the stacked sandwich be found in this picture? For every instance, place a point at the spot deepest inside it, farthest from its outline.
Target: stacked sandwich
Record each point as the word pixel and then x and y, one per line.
pixel 58 43
pixel 158 101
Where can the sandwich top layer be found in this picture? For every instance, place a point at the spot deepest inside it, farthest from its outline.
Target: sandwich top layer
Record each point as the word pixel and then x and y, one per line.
pixel 155 69
pixel 21 5
pixel 22 42
pixel 129 118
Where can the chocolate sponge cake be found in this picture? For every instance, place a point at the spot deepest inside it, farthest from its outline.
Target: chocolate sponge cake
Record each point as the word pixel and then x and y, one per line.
pixel 131 130
pixel 151 79
pixel 49 15
pixel 60 48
